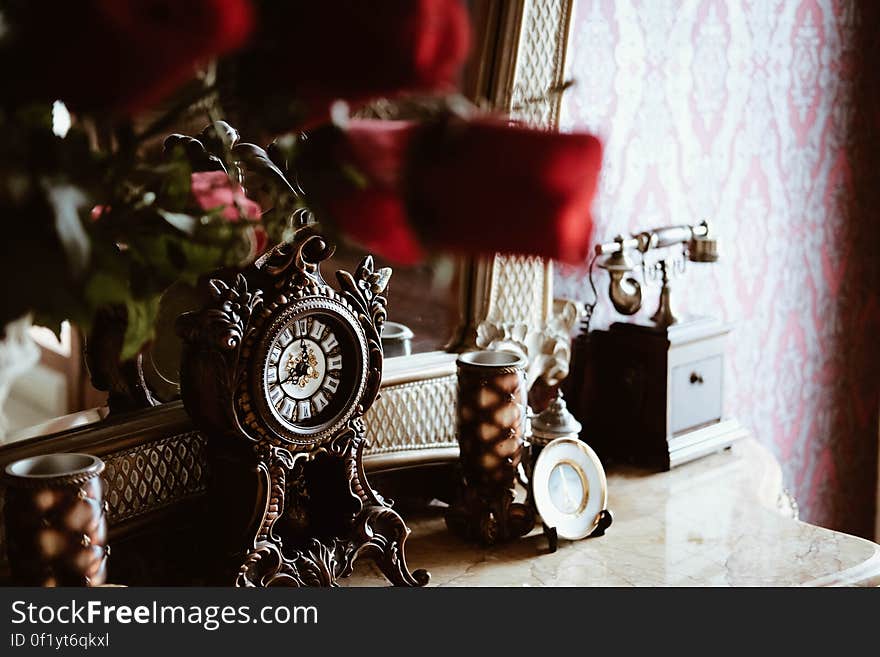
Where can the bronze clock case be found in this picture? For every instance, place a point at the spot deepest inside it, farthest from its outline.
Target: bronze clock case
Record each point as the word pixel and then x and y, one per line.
pixel 291 502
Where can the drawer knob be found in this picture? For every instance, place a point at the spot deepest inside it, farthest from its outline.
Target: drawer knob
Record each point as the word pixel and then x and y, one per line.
pixel 696 378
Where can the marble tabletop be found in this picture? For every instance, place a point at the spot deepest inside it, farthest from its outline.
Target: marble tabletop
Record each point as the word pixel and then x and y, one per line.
pixel 712 522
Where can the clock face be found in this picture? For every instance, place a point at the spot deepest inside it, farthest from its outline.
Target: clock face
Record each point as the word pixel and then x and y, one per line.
pixel 312 371
pixel 569 487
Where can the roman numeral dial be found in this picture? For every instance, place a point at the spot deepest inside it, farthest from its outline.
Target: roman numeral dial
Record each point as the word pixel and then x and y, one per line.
pixel 304 370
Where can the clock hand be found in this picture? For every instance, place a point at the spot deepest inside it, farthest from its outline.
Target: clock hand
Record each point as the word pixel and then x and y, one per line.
pixel 302 367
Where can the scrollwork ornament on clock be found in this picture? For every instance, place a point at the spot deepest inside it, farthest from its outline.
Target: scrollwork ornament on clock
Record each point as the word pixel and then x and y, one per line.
pixel 278 370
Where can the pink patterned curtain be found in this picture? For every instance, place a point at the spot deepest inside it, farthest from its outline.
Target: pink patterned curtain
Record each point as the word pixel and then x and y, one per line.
pixel 760 116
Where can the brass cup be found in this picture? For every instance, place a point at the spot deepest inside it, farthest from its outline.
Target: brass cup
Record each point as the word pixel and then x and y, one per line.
pixel 54 514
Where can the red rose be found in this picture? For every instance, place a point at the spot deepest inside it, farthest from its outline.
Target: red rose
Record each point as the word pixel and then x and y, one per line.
pixel 354 178
pixel 489 186
pixel 100 55
pixel 213 190
pixel 477 187
pixel 310 53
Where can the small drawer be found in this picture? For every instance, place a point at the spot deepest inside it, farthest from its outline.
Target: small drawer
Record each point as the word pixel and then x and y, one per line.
pixel 696 393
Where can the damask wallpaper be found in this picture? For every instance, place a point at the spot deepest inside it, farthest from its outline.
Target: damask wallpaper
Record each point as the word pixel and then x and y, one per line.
pixel 760 116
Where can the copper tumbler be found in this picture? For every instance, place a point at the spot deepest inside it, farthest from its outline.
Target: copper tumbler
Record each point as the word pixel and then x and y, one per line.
pixel 56 530
pixel 491 420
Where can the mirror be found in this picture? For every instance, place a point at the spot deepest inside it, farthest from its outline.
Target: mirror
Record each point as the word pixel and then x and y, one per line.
pixel 422 305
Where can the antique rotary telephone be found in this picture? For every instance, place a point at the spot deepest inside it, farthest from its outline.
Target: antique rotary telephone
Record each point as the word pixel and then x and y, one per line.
pixel 650 392
pixel 625 292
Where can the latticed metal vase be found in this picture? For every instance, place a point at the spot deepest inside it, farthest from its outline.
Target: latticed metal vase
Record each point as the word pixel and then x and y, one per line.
pixel 55 519
pixel 491 415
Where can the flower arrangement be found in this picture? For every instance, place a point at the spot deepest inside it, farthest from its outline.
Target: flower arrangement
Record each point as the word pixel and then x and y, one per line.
pixel 99 216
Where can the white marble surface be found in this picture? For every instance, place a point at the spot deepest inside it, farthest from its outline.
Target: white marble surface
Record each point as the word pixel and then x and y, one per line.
pixel 713 522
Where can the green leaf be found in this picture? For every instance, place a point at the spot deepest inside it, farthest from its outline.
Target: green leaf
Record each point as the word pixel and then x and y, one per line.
pixel 105 289
pixel 175 177
pixel 141 325
pixel 199 258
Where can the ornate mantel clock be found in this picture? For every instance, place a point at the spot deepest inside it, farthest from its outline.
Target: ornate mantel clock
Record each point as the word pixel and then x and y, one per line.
pixel 278 371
